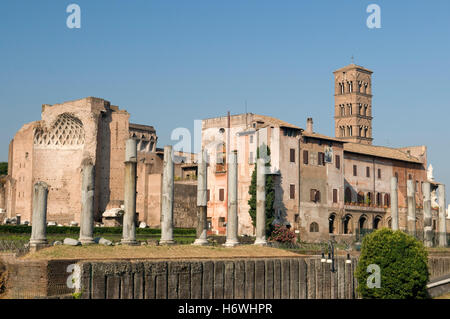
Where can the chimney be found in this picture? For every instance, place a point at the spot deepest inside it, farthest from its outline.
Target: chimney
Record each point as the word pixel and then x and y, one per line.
pixel 309 125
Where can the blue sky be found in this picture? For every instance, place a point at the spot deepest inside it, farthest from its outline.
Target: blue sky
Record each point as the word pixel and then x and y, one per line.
pixel 171 62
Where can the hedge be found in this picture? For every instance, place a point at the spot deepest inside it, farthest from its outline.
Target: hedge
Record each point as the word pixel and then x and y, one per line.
pixel 23 229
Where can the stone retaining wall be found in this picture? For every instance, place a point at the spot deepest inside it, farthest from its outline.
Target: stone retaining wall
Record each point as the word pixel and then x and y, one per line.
pixel 274 278
pixel 238 278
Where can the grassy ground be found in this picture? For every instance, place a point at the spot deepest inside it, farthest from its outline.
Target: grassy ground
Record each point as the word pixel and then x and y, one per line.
pixel 155 252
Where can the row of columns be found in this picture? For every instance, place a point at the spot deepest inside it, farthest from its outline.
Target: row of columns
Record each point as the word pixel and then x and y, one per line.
pixel 427 213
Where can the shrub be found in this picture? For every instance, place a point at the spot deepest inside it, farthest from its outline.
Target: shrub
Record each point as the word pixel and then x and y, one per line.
pixel 282 234
pixel 403 266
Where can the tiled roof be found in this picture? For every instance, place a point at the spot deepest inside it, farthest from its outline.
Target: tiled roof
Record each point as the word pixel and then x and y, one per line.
pixel 274 121
pixel 380 151
pixel 323 137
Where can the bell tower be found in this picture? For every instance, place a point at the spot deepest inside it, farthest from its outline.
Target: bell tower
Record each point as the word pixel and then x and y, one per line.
pixel 353 104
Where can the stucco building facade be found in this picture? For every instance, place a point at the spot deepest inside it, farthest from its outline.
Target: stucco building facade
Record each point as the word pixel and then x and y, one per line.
pixel 323 185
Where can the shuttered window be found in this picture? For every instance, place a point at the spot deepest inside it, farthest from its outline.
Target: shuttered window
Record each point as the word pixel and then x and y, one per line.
pixel 221 194
pixel 335 195
pixel 292 191
pixel 338 162
pixel 355 170
pixel 292 155
pixel 305 157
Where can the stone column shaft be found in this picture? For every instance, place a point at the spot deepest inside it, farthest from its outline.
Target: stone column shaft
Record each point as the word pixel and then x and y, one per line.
pixel 261 202
pixel 202 201
pixel 129 218
pixel 87 203
pixel 427 217
pixel 232 220
pixel 167 198
pixel 442 217
pixel 411 193
pixel 394 203
pixel 39 218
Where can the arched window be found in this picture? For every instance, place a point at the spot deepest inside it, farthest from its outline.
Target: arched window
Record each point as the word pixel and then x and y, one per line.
pixel 347 224
pixel 331 223
pixel 314 227
pixel 348 195
pixel 379 199
pixel 362 223
pixel 389 222
pixel 387 200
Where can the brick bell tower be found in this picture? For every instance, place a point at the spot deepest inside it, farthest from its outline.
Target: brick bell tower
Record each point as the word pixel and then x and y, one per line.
pixel 353 104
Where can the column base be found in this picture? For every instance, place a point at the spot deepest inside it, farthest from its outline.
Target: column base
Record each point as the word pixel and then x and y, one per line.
pixel 38 245
pixel 231 243
pixel 86 241
pixel 260 242
pixel 201 242
pixel 166 242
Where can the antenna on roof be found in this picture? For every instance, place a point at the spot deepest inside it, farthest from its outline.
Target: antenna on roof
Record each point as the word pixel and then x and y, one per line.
pixel 353 59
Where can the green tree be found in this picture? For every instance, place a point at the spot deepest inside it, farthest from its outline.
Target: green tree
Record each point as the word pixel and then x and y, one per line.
pixel 270 196
pixel 3 168
pixel 403 266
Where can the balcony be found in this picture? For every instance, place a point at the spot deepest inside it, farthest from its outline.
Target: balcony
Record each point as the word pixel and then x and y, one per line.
pixel 365 207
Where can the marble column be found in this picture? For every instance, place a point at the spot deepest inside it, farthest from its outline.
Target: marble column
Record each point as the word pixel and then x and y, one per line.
pixel 394 203
pixel 202 223
pixel 260 202
pixel 232 219
pixel 427 217
pixel 167 198
pixel 442 217
pixel 411 194
pixel 129 218
pixel 39 218
pixel 87 203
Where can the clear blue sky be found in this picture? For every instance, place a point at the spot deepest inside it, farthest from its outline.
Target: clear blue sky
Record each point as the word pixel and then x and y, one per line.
pixel 171 62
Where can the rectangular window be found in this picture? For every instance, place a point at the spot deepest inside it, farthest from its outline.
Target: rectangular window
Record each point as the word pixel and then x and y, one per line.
pixel 305 157
pixel 250 158
pixel 221 194
pixel 251 139
pixel 296 218
pixel 207 195
pixel 292 191
pixel 367 171
pixel 321 159
pixel 338 162
pixel 335 195
pixel 221 221
pixel 292 155
pixel 379 173
pixel 355 170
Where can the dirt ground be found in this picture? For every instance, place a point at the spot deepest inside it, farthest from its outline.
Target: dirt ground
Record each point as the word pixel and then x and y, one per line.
pixel 96 252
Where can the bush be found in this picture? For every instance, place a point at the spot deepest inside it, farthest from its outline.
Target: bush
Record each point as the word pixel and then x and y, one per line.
pixel 282 234
pixel 403 266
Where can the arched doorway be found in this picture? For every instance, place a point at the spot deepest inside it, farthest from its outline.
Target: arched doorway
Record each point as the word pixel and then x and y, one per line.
pixel 331 220
pixel 362 223
pixel 347 224
pixel 376 222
